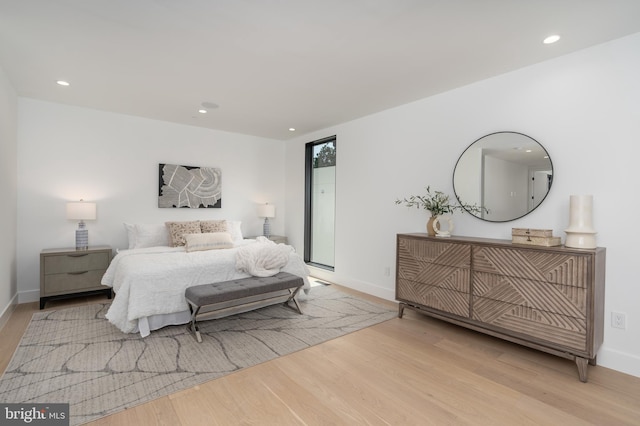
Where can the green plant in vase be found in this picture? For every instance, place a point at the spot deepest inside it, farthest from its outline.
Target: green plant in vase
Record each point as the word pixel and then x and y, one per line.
pixel 437 203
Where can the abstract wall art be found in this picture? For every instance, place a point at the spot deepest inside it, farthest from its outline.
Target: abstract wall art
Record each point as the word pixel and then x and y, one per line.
pixel 189 187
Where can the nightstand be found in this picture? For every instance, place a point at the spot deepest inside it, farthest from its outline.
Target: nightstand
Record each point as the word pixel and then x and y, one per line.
pixel 70 272
pixel 278 239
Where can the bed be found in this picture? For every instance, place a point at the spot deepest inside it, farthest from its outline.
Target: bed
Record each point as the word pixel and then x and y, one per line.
pixel 149 280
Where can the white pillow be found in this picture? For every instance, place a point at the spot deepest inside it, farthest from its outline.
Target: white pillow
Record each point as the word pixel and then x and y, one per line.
pixel 208 241
pixel 152 235
pixel 131 234
pixel 233 228
pixel 147 235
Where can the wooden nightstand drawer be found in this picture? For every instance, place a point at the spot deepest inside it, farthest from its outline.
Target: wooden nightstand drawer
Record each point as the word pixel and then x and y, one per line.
pixel 76 262
pixel 278 239
pixel 72 282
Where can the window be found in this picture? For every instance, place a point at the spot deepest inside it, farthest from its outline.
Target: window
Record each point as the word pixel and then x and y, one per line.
pixel 320 202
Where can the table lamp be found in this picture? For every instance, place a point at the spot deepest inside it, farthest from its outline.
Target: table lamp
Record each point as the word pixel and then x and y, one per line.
pixel 81 211
pixel 266 210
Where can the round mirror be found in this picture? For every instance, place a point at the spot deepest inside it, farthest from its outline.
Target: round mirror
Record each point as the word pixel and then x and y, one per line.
pixel 508 174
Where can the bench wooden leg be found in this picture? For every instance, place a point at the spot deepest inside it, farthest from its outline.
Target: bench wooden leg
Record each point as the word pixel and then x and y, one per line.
pixel 193 326
pixel 292 297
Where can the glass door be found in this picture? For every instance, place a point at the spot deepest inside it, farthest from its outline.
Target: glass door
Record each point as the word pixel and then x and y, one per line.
pixel 320 202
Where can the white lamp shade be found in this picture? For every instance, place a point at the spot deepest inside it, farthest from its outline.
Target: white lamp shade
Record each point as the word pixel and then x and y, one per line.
pixel 266 210
pixel 81 211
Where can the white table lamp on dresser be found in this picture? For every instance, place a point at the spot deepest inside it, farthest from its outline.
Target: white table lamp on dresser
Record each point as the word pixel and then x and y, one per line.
pixel 81 211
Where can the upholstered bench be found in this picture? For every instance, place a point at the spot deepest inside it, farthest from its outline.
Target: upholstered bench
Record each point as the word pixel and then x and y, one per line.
pixel 243 292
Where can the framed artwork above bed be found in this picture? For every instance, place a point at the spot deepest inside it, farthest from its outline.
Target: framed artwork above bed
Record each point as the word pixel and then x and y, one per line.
pixel 189 187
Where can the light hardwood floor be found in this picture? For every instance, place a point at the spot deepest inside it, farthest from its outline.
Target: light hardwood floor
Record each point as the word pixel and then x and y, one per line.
pixel 410 371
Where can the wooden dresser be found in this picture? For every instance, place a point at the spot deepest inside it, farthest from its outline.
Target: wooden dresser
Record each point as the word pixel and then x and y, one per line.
pixel 547 298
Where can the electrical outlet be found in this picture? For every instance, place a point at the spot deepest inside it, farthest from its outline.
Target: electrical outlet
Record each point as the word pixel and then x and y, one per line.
pixel 618 320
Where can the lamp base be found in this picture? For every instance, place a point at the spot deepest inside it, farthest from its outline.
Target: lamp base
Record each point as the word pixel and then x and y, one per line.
pixel 82 237
pixel 266 228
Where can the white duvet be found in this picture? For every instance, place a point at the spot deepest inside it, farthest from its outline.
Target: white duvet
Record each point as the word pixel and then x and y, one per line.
pixel 152 281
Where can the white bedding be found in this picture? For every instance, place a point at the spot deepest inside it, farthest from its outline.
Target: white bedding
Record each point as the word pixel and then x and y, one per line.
pixel 151 281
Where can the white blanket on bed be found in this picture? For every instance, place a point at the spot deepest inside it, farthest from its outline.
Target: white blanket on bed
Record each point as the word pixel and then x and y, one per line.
pixel 152 281
pixel 263 260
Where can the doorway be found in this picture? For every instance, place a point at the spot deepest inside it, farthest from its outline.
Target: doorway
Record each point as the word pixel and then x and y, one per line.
pixel 320 202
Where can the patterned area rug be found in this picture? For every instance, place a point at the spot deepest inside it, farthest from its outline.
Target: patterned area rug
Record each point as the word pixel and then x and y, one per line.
pixel 75 356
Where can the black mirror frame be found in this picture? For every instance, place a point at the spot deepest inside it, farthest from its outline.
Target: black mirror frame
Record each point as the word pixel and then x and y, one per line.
pixel 515 218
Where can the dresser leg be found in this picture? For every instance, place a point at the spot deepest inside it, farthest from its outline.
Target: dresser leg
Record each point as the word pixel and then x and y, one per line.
pixel 582 364
pixel 400 310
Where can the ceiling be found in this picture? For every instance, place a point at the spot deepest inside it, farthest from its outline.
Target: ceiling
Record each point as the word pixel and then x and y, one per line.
pixel 274 64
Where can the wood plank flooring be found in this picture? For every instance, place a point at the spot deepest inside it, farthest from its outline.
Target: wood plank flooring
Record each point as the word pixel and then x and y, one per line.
pixel 410 371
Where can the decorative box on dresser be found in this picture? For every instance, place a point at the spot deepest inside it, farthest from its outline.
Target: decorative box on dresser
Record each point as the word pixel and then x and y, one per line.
pixel 69 272
pixel 547 298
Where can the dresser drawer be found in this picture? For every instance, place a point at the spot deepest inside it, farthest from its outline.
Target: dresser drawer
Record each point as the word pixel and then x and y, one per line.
pixel 557 329
pixel 448 277
pixel 76 262
pixel 543 296
pixel 413 254
pixel 536 265
pixel 432 296
pixel 73 282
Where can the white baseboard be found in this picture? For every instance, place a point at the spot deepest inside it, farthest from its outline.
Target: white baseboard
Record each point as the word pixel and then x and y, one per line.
pixel 620 361
pixel 365 287
pixel 29 296
pixel 8 310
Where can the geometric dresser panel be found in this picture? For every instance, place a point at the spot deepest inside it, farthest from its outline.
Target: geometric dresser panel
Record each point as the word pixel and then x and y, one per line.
pixel 547 298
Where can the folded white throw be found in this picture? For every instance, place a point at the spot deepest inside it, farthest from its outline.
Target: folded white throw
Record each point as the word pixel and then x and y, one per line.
pixel 263 259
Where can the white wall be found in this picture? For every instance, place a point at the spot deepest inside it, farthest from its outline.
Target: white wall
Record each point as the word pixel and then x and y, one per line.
pixel 67 153
pixel 8 212
pixel 583 108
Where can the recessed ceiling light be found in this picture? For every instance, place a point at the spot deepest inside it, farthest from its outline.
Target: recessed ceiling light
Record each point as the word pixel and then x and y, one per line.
pixel 209 105
pixel 551 39
pixel 202 111
pixel 528 150
pixel 62 83
pixel 291 129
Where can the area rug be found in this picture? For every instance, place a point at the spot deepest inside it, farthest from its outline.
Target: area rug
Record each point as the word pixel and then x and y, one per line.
pixel 75 356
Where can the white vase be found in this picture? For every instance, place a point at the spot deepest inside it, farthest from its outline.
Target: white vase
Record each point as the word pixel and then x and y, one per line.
pixel 440 230
pixel 580 233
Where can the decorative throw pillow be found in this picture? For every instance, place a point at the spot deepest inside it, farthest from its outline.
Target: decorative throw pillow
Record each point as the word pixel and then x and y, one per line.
pixel 213 226
pixel 208 241
pixel 178 229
